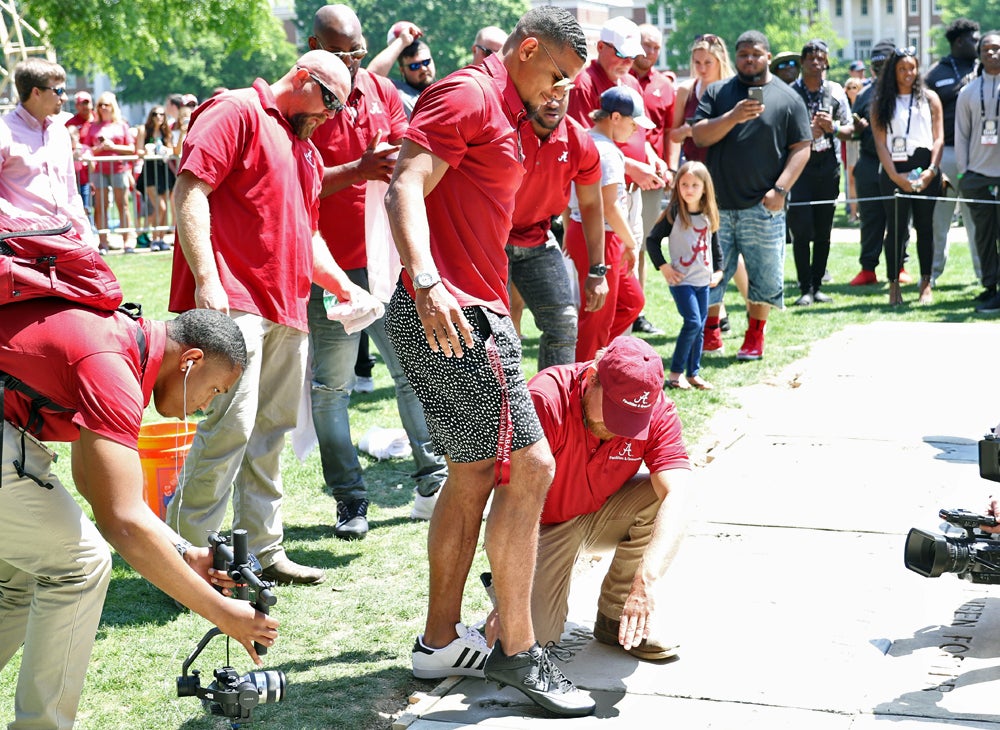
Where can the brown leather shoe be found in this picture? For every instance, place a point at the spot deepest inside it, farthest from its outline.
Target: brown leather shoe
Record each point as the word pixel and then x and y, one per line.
pixel 284 571
pixel 606 632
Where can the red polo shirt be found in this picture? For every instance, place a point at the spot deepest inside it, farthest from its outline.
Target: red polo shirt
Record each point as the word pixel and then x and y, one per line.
pixel 588 470
pixel 372 106
pixel 658 95
pixel 586 97
pixel 82 359
pixel 470 120
pixel 552 165
pixel 264 205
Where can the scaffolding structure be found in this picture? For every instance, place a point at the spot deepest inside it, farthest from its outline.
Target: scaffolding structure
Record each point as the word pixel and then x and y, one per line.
pixel 20 40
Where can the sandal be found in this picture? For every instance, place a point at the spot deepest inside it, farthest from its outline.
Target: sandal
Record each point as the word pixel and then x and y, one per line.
pixel 700 383
pixel 677 384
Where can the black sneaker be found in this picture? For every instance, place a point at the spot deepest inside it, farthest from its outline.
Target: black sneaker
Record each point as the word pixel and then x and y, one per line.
pixel 990 306
pixel 986 294
pixel 352 519
pixel 646 327
pixel 533 673
pixel 724 323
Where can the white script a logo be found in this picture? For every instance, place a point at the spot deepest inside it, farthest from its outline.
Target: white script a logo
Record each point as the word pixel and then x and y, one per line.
pixel 564 157
pixel 641 402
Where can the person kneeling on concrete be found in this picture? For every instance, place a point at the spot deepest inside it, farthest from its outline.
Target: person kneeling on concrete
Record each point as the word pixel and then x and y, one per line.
pixel 604 420
pixel 76 374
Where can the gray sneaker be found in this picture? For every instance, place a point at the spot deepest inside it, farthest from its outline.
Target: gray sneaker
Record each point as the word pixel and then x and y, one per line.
pixel 533 673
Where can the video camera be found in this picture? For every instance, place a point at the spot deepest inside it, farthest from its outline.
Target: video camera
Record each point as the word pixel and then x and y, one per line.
pixel 232 695
pixel 974 557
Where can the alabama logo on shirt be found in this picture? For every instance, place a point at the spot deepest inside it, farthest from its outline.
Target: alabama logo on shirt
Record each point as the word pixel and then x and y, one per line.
pixel 625 454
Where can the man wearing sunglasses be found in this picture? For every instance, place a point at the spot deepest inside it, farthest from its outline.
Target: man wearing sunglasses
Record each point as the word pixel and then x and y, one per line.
pixel 37 175
pixel 247 199
pixel 357 148
pixel 489 40
pixel 416 65
pixel 450 204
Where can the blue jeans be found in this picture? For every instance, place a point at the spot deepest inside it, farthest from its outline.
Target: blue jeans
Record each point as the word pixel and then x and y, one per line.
pixel 540 275
pixel 758 234
pixel 692 305
pixel 334 354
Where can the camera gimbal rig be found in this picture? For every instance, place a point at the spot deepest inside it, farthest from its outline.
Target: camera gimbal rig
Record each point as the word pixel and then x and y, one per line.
pixel 232 695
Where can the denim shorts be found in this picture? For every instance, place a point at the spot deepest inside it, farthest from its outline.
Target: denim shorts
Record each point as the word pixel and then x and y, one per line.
pixel 759 235
pixel 477 406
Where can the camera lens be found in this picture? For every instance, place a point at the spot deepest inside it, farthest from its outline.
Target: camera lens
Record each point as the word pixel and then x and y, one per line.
pixel 930 555
pixel 271 685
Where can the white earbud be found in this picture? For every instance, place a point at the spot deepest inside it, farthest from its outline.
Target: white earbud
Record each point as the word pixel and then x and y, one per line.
pixel 187 365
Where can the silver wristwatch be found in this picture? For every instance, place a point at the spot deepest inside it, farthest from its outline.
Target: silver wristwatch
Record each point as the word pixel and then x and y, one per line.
pixel 425 279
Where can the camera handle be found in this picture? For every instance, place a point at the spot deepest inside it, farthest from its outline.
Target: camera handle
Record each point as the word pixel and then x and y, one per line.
pixel 242 567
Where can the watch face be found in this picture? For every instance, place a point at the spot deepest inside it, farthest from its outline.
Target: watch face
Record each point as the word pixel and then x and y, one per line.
pixel 424 280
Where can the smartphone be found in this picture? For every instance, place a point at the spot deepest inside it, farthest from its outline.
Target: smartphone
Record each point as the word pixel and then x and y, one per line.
pixel 825 110
pixel 690 120
pixel 756 93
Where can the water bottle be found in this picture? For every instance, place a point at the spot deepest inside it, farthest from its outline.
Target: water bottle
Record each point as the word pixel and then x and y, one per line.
pixel 329 301
pixel 915 174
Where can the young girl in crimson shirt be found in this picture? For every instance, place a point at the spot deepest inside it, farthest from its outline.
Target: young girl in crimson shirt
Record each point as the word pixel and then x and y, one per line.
pixel 691 221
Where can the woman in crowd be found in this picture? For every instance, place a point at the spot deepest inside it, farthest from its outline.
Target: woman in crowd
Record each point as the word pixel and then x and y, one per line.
pixel 153 145
pixel 852 87
pixel 906 121
pixel 108 136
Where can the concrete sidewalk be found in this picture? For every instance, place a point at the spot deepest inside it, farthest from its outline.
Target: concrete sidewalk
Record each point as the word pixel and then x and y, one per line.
pixel 789 597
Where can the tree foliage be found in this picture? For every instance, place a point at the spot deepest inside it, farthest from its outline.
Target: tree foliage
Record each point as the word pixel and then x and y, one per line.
pixel 449 25
pixel 117 36
pixel 788 25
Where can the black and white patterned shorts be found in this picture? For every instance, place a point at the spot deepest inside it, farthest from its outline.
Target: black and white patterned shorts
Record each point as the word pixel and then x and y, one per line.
pixel 465 398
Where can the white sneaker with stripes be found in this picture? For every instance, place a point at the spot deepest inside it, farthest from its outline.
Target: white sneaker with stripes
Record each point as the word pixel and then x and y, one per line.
pixel 465 656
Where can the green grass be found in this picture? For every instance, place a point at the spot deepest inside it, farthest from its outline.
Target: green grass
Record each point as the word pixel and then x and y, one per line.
pixel 345 644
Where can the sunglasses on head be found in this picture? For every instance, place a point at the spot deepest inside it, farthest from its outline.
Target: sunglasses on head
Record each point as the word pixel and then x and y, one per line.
pixel 815 46
pixel 417 65
pixel 330 100
pixel 908 51
pixel 708 38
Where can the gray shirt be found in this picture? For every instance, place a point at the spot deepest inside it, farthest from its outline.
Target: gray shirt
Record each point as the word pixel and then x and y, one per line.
pixel 981 94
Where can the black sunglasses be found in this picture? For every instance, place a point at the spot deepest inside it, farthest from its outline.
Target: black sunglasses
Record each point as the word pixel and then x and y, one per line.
pixel 330 100
pixel 708 38
pixel 417 65
pixel 60 90
pixel 788 64
pixel 486 51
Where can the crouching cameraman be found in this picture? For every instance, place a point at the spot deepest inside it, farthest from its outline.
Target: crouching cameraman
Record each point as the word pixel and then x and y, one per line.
pixel 85 376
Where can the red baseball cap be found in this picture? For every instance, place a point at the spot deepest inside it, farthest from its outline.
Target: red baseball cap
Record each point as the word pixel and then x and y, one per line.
pixel 631 377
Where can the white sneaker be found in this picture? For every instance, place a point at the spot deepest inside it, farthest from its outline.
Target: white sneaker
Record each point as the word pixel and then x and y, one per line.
pixel 423 507
pixel 466 655
pixel 363 385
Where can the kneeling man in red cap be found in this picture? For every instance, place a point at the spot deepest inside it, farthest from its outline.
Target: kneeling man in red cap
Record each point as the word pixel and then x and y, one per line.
pixel 622 474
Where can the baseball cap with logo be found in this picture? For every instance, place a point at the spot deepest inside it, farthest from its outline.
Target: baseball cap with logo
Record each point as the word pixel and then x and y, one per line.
pixel 882 51
pixel 631 377
pixel 857 66
pixel 623 34
pixel 627 102
pixel 82 96
pixel 189 100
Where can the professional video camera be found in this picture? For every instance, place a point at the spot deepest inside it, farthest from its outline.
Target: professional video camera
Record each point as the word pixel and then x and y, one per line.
pixel 976 555
pixel 232 695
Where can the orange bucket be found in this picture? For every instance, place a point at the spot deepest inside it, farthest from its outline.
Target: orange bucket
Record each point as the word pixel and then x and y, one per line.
pixel 162 450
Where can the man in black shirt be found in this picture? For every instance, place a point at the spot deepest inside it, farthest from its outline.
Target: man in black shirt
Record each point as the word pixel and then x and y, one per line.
pixel 948 77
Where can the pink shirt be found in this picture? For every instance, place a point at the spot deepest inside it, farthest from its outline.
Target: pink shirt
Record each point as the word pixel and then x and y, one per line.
pixel 82 359
pixel 264 205
pixel 115 132
pixel 552 165
pixel 470 120
pixel 588 470
pixel 372 106
pixel 36 169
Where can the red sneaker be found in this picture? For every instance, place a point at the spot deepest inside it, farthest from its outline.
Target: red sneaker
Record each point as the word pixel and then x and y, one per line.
pixel 864 278
pixel 753 342
pixel 713 336
pixel 905 278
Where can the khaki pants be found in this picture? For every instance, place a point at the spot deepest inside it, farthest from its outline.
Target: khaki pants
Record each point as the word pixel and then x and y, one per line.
pixel 54 574
pixel 624 524
pixel 237 448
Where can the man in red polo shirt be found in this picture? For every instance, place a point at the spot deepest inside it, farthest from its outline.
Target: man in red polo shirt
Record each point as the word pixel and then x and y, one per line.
pixel 658 96
pixel 617 48
pixel 605 420
pixel 247 201
pixel 101 369
pixel 450 205
pixel 348 144
pixel 558 155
